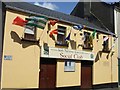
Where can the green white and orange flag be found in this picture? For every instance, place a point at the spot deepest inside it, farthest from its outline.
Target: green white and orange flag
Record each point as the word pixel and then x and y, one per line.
pixel 39 21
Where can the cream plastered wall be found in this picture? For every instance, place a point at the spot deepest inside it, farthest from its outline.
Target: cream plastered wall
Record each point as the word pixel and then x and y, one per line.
pixel 65 79
pixel 23 70
pixel 105 67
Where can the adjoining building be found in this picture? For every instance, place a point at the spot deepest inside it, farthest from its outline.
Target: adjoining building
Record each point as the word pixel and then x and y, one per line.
pixel 41 48
pixel 100 13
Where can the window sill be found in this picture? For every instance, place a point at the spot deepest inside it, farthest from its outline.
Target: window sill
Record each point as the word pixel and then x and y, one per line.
pixel 29 40
pixel 88 48
pixel 66 45
pixel 106 51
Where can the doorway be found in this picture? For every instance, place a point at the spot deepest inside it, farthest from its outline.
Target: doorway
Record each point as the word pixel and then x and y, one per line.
pixel 47 74
pixel 86 74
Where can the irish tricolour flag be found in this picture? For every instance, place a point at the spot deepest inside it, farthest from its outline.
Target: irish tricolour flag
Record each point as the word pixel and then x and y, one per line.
pixel 37 21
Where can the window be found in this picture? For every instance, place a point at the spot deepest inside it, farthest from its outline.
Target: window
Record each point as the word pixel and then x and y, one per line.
pixel 29 33
pixel 88 41
pixel 69 65
pixel 97 35
pixel 105 43
pixel 61 36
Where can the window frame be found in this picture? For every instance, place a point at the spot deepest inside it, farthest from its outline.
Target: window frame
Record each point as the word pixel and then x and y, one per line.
pixel 69 66
pixel 61 36
pixel 28 36
pixel 86 42
pixel 105 45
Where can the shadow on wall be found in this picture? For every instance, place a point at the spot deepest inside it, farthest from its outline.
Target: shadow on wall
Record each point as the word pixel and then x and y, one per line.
pixel 99 55
pixel 17 39
pixel 73 44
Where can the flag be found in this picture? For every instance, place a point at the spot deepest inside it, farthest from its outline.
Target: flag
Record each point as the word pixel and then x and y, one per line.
pixel 78 27
pixel 93 34
pixel 106 38
pixel 68 37
pixel 39 21
pixel 19 21
pixel 53 32
pixel 115 40
pixel 32 23
pixel 53 22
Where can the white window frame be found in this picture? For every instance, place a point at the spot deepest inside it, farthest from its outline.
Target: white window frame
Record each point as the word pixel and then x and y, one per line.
pixel 69 66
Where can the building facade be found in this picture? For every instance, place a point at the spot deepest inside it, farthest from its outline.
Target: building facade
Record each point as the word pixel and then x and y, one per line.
pixel 56 56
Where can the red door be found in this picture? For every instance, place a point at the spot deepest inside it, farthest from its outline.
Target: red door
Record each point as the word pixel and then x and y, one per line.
pixel 47 73
pixel 86 74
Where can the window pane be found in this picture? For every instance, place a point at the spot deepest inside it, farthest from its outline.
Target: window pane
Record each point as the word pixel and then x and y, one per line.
pixel 65 63
pixel 87 40
pixel 29 30
pixel 61 35
pixel 105 43
pixel 69 65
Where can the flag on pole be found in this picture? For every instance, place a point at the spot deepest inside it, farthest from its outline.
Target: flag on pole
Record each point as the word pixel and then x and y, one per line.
pixel 39 21
pixel 53 22
pixel 19 21
pixel 78 27
pixel 53 32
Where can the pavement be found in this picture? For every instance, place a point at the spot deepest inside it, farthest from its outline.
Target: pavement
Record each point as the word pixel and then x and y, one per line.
pixel 108 89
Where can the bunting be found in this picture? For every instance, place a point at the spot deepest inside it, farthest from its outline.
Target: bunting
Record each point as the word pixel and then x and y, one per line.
pixel 39 21
pixel 19 21
pixel 106 38
pixel 53 22
pixel 78 27
pixel 93 34
pixel 68 37
pixel 53 32
pixel 113 45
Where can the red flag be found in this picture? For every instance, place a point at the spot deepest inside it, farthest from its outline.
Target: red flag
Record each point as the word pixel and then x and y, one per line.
pixel 53 22
pixel 19 21
pixel 53 32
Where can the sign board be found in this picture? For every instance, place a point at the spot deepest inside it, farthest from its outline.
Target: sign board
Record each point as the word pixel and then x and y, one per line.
pixel 51 52
pixel 7 57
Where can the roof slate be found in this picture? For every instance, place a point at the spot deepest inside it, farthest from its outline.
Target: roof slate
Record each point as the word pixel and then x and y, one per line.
pixel 37 10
